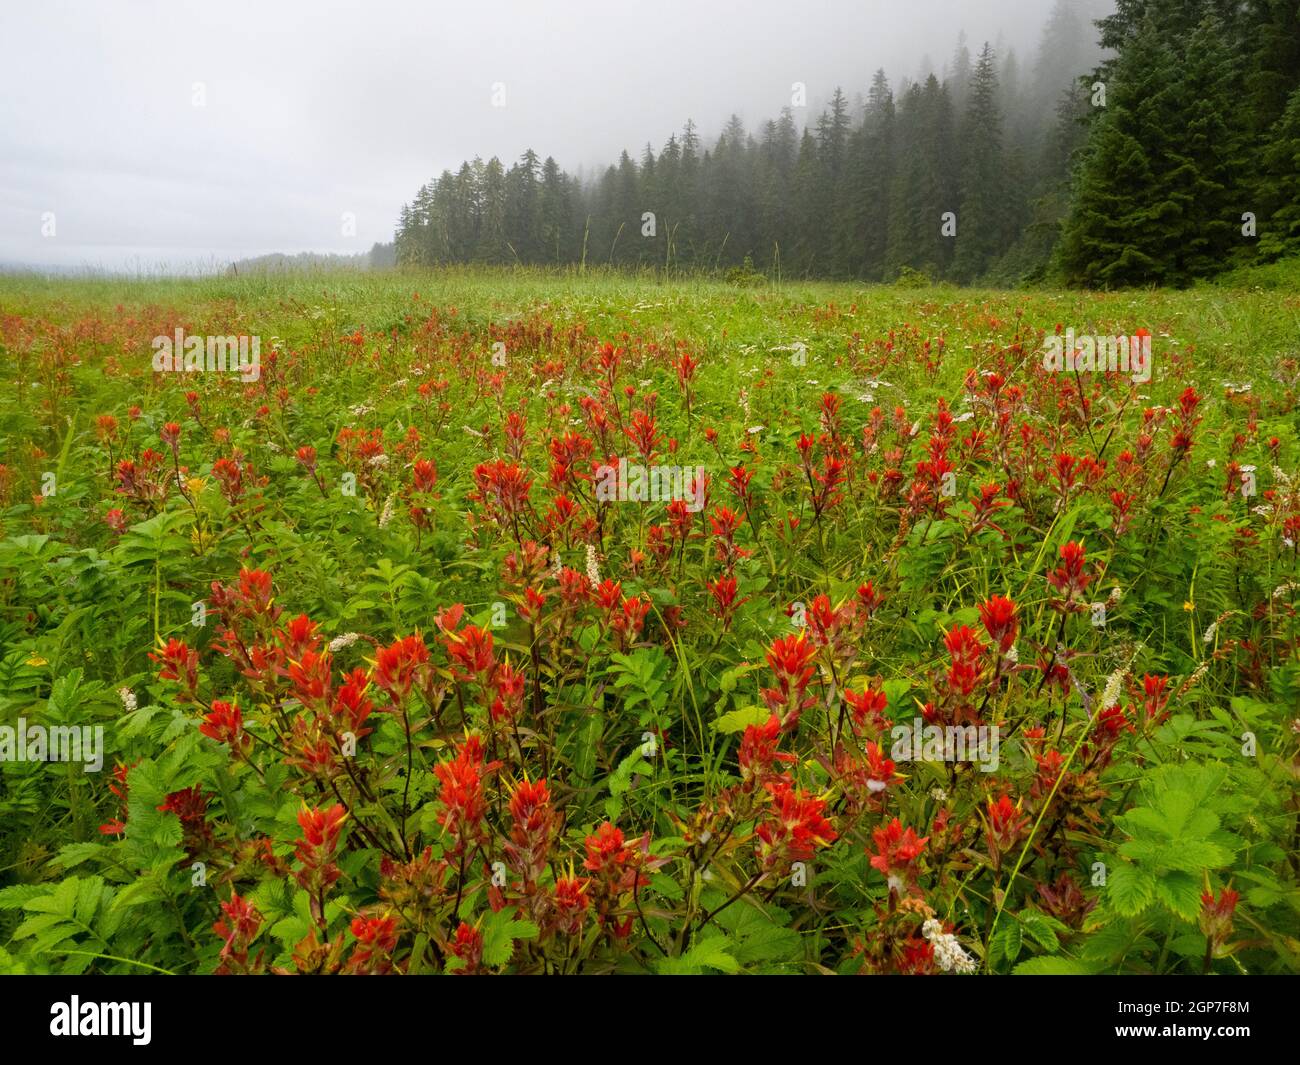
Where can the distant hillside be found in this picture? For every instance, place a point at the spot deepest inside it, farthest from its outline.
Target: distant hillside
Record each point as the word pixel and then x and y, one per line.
pixel 379 257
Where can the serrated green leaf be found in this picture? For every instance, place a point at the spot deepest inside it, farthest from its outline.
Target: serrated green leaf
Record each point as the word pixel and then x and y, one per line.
pixel 501 930
pixel 1181 894
pixel 1130 890
pixel 711 953
pixel 1039 930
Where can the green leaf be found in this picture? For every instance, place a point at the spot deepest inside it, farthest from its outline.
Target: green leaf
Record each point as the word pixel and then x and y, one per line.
pixel 73 854
pixel 42 921
pixel 1130 890
pixel 88 895
pixel 1006 944
pixel 1039 930
pixel 501 930
pixel 711 953
pixel 290 931
pixel 621 779
pixel 741 718
pixel 588 739
pixel 1051 965
pixel 17 895
pixel 1181 894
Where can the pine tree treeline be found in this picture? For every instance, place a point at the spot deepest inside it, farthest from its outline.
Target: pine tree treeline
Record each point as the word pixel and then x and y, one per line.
pixel 991 172
pixel 1193 163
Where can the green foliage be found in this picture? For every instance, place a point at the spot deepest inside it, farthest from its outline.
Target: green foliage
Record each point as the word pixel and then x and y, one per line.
pixel 655 731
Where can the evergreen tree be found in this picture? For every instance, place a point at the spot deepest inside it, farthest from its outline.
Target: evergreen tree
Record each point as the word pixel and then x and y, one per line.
pixel 983 221
pixel 1118 229
pixel 1279 187
pixel 866 219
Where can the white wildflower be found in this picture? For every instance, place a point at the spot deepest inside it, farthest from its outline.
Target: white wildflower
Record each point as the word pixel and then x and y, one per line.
pixel 1209 633
pixel 128 698
pixel 1013 654
pixel 346 640
pixel 948 952
pixel 379 461
pixel 755 429
pixel 593 566
pixel 1194 679
pixel 938 795
pixel 1114 684
pixel 387 515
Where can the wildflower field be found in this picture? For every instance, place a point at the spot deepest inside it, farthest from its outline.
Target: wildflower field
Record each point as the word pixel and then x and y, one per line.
pixel 527 623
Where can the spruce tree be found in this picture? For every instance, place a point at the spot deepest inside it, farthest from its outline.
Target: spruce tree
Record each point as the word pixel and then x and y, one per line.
pixel 1117 232
pixel 983 216
pixel 1279 218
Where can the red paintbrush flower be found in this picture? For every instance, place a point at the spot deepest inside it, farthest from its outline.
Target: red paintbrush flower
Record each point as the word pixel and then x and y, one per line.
pixel 794 828
pixel 531 831
pixel 1005 824
pixel 468 947
pixel 470 652
pixel 758 754
pixel 462 795
pixel 225 724
pixel 790 658
pixel 398 666
pixel 181 664
pixel 998 616
pixel 238 928
pixel 897 854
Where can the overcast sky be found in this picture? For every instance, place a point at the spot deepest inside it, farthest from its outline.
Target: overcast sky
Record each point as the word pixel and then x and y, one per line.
pixel 305 111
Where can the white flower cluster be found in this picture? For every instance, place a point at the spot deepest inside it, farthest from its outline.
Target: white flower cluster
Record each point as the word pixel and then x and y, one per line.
pixel 1194 679
pixel 1114 685
pixel 948 952
pixel 346 640
pixel 593 566
pixel 128 698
